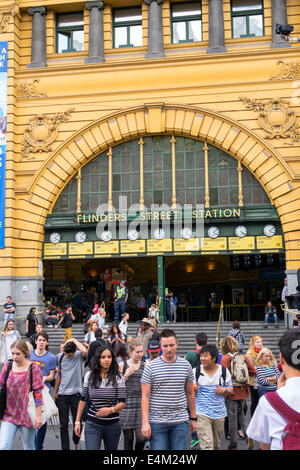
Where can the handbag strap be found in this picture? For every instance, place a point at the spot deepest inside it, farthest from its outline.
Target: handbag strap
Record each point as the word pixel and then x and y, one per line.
pixel 288 413
pixel 9 367
pixel 31 378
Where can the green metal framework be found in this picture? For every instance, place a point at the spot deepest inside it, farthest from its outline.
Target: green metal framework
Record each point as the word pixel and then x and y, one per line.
pixel 157 177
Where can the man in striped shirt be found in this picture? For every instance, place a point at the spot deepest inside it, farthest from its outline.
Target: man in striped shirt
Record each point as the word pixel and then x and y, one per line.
pixel 167 392
pixel 211 382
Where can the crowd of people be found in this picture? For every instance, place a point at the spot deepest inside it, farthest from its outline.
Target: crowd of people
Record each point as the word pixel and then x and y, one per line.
pixel 112 383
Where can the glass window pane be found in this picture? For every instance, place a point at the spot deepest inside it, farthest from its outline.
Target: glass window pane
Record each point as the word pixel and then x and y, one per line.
pixel 120 36
pixel 62 42
pixel 179 32
pixel 239 26
pixel 128 14
pixel 73 19
pixel 136 35
pixel 78 40
pixel 256 25
pixel 195 30
pixel 186 9
pixel 242 5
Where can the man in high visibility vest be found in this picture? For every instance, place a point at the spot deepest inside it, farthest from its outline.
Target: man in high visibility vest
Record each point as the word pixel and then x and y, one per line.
pixel 120 296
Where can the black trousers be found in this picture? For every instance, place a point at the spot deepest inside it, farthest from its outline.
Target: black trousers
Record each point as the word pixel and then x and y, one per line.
pixel 65 404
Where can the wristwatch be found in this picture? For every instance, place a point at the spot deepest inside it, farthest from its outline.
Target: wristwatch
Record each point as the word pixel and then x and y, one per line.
pixel 193 419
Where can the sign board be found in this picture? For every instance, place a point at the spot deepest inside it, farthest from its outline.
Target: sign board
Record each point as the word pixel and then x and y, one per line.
pixel 57 250
pixel 267 243
pixel 159 245
pixel 85 248
pixel 137 246
pixel 216 244
pixel 186 245
pixel 106 248
pixel 3 123
pixel 245 243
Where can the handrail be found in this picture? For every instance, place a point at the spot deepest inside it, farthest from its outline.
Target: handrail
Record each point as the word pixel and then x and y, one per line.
pixel 219 323
pixel 287 310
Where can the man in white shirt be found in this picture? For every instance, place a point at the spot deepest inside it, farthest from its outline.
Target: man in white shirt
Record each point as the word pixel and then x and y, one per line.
pixel 267 425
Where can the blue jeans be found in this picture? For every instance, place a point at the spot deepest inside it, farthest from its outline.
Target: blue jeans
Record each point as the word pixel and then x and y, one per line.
pixel 120 308
pixel 271 318
pixel 40 437
pixel 7 316
pixel 8 432
pixel 171 436
pixel 95 432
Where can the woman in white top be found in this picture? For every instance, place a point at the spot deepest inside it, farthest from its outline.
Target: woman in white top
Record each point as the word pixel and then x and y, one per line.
pixel 8 336
pixel 90 336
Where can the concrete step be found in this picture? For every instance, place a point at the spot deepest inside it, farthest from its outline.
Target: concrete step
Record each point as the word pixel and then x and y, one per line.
pixel 186 334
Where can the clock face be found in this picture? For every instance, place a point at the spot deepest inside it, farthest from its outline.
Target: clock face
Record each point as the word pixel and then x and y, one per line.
pixel 213 232
pixel 55 237
pixel 80 237
pixel 159 234
pixel 241 231
pixel 133 235
pixel 106 235
pixel 269 230
pixel 186 233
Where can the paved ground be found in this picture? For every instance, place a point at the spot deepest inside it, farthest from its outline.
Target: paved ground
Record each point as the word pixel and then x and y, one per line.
pixel 52 441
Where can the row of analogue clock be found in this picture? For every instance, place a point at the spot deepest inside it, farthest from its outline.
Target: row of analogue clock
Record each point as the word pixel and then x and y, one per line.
pixel 159 234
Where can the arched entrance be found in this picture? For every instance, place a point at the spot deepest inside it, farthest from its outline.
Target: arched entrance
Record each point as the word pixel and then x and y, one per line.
pixel 247 149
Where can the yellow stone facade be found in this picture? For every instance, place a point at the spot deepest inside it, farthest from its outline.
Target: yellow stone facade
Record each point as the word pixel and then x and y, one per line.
pixel 94 106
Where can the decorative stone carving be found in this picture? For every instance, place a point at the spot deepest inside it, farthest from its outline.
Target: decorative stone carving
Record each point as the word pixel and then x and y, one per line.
pixel 28 90
pixel 275 117
pixel 42 132
pixel 4 18
pixel 289 71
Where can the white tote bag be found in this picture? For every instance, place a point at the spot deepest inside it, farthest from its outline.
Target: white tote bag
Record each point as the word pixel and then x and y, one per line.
pixel 48 408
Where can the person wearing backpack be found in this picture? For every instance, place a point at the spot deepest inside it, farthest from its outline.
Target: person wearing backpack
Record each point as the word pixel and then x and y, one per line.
pixel 276 421
pixel 212 383
pixel 240 368
pixel 238 335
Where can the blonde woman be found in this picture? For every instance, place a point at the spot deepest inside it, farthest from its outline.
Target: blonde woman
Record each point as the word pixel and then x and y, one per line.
pixel 255 346
pixel 267 372
pixel 90 336
pixel 8 336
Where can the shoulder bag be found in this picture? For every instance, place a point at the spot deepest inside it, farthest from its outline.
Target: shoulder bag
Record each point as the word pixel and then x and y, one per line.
pixel 48 408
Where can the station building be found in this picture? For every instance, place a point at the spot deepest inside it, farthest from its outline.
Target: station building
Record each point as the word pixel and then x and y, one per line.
pixel 187 110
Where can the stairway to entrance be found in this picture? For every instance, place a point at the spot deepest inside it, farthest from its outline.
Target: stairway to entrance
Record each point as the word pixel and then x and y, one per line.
pixel 186 332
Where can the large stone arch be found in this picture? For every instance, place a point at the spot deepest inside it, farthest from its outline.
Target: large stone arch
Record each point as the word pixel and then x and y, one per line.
pixel 255 153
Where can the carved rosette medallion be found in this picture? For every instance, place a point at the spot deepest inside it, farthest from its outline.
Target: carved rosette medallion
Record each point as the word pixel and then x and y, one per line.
pixel 42 132
pixel 275 117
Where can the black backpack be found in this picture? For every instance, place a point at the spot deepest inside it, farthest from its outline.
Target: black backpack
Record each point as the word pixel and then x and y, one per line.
pixel 198 373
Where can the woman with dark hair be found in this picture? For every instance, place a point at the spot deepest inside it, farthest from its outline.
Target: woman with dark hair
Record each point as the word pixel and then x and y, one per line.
pixel 121 353
pixel 115 337
pixel 31 322
pixel 105 388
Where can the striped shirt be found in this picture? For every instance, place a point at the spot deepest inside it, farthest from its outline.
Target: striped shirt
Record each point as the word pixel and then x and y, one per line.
pixel 167 403
pixel 263 372
pixel 105 396
pixel 207 402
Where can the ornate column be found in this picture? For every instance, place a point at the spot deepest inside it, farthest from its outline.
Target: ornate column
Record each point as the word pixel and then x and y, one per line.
pixel 96 32
pixel 216 27
pixel 278 16
pixel 38 38
pixel 155 29
pixel 240 180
